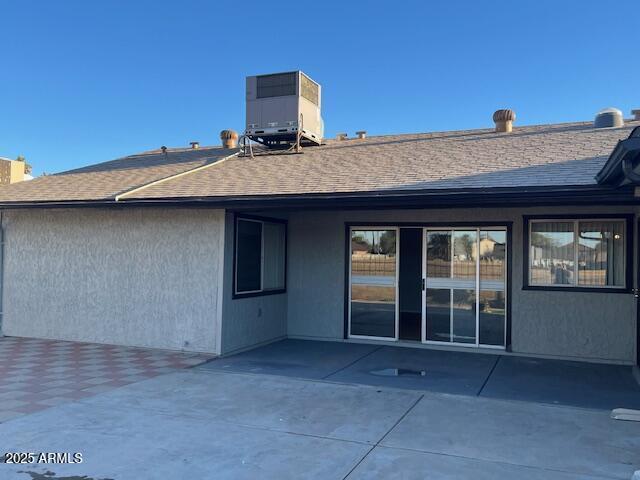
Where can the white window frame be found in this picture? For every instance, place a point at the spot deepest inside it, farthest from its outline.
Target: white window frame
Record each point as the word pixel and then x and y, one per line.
pixel 397 303
pixel 261 290
pixel 576 236
pixel 446 284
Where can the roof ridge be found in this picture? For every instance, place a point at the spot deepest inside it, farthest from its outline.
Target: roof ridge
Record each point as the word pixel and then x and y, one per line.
pixel 171 177
pixel 475 130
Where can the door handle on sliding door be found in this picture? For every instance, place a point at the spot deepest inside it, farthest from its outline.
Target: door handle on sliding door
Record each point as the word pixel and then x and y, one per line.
pixel 424 284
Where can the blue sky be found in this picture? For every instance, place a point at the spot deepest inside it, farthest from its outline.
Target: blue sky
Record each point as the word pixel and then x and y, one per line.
pixel 87 81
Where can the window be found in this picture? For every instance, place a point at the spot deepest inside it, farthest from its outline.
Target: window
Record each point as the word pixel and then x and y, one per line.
pixel 373 304
pixel 260 250
pixel 577 253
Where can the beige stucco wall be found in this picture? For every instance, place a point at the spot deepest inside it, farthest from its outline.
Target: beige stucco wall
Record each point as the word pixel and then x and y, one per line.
pixel 576 325
pixel 143 277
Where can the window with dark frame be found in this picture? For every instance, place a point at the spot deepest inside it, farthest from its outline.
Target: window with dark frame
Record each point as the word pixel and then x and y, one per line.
pixel 583 253
pixel 260 251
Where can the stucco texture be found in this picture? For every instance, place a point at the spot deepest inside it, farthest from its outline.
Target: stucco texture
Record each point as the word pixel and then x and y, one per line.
pixel 595 326
pixel 142 277
pixel 249 321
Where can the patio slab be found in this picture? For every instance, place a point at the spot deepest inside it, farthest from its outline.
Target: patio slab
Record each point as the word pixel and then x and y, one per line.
pixel 398 464
pixel 210 424
pixel 122 445
pixel 294 358
pixel 445 371
pixel 264 401
pixel 578 384
pixel 581 441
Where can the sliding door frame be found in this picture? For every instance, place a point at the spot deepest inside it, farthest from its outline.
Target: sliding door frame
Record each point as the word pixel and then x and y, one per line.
pixel 378 228
pixel 507 224
pixel 477 287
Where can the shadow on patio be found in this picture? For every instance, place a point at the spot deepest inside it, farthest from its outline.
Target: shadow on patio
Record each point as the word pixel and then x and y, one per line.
pixel 558 382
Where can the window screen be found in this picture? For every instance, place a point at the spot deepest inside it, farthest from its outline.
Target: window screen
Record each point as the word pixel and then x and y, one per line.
pixel 277 85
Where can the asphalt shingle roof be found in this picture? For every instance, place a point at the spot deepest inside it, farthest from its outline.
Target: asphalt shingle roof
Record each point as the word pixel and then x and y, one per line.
pixel 547 155
pixel 104 181
pixel 558 155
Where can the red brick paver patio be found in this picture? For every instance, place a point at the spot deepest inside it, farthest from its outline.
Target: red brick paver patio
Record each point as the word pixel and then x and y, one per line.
pixel 36 374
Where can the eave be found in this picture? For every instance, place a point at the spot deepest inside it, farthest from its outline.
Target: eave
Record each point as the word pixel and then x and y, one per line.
pixel 451 198
pixel 621 164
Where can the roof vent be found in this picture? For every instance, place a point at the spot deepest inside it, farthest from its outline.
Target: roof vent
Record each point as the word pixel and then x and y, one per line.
pixel 229 138
pixel 504 120
pixel 362 134
pixel 609 117
pixel 195 145
pixel 341 136
pixel 636 114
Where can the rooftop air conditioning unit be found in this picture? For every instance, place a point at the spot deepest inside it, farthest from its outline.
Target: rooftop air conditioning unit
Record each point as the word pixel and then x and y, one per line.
pixel 283 108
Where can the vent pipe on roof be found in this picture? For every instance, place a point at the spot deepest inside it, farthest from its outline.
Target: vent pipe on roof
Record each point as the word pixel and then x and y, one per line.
pixel 609 117
pixel 195 145
pixel 636 114
pixel 229 138
pixel 362 134
pixel 341 136
pixel 504 120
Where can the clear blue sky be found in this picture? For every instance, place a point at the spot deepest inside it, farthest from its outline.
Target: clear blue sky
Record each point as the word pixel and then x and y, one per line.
pixel 88 81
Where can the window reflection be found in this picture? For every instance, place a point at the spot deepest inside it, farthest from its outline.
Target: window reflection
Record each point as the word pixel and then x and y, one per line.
pixel 373 310
pixel 492 317
pixel 373 254
pixel 373 283
pixel 464 316
pixel 492 254
pixel 439 314
pixel 465 248
pixel 552 254
pixel 601 253
pixel 595 258
pixel 465 286
pixel 439 254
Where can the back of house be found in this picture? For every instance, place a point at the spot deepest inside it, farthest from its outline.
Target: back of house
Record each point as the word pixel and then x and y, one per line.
pixel 514 239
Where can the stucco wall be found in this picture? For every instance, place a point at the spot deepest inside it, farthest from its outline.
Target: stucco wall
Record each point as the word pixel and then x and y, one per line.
pixel 596 326
pixel 144 277
pixel 249 321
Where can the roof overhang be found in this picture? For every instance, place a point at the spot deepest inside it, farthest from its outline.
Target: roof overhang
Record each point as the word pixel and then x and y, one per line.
pixel 398 199
pixel 622 165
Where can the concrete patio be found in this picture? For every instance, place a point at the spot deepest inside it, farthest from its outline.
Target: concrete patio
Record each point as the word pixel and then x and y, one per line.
pixel 310 410
pixel 579 384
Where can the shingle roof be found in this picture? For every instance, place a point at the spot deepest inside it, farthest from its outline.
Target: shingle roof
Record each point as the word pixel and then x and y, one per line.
pixel 532 156
pixel 547 155
pixel 104 181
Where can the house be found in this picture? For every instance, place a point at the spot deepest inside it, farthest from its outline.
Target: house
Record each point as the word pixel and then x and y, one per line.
pixel 519 240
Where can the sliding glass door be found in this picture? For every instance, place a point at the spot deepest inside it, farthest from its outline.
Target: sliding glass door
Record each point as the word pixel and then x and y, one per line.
pixel 465 286
pixel 373 283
